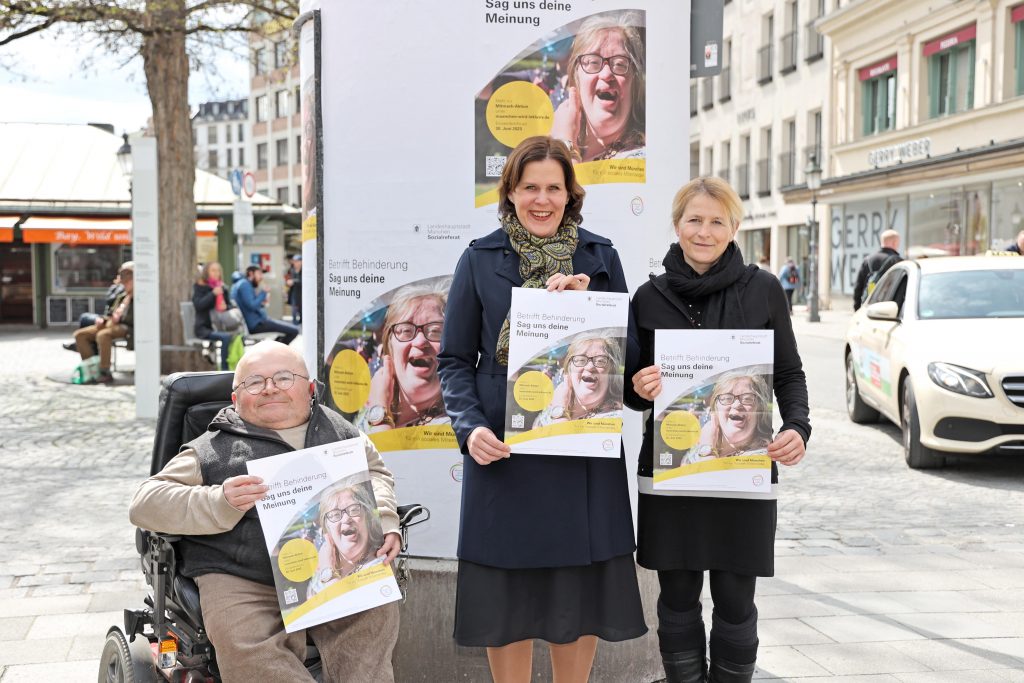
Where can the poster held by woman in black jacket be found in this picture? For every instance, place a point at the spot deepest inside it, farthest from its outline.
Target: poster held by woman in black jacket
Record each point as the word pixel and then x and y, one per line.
pixel 707 286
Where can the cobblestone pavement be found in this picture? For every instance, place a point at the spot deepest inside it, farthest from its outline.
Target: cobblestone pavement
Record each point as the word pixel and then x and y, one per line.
pixel 882 573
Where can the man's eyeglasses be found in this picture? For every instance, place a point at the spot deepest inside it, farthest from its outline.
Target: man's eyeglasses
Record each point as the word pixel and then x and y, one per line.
pixel 747 400
pixel 407 331
pixel 600 362
pixel 354 510
pixel 282 379
pixel 593 63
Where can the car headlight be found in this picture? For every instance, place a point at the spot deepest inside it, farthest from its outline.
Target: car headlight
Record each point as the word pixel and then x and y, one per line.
pixel 959 380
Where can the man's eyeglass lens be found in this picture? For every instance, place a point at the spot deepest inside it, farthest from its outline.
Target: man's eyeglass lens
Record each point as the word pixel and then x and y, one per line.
pixel 600 362
pixel 282 379
pixel 593 63
pixel 728 399
pixel 353 510
pixel 407 331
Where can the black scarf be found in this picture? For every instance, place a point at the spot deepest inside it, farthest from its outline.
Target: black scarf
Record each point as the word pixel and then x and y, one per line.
pixel 724 309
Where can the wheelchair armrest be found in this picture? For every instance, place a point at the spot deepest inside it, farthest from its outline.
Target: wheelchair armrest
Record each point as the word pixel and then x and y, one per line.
pixel 407 513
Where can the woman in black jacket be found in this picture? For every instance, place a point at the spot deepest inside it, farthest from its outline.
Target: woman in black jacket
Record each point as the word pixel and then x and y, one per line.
pixel 206 291
pixel 681 535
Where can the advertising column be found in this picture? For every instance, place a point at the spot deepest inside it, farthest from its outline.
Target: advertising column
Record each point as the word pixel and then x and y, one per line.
pixel 421 103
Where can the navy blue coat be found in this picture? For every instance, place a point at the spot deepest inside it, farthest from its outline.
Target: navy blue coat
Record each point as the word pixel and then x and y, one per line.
pixel 528 510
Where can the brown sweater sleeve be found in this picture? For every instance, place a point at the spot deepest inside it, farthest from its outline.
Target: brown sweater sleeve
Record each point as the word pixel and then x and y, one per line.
pixel 175 501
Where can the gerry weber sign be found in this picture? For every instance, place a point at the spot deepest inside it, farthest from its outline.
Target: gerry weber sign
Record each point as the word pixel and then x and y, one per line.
pixel 893 154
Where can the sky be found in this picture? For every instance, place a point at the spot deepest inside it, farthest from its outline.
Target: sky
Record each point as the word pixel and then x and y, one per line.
pixel 47 83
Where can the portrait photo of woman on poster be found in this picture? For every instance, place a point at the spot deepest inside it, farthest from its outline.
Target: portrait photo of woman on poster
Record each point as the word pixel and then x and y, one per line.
pixel 351 533
pixel 591 381
pixel 738 419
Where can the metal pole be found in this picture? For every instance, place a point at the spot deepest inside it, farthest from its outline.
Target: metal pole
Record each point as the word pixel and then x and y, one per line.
pixel 812 307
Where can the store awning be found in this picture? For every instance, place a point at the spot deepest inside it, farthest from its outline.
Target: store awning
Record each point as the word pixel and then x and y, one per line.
pixel 78 230
pixel 7 227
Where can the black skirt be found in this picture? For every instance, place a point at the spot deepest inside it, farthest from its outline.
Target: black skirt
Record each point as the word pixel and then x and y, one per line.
pixel 496 607
pixel 697 533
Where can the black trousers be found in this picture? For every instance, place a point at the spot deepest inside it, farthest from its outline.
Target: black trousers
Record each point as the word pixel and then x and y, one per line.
pixel 734 622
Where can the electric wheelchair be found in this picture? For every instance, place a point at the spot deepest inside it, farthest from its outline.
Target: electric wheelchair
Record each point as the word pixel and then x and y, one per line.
pixel 166 640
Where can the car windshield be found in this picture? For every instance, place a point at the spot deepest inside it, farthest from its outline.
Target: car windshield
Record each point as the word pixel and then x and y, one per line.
pixel 972 294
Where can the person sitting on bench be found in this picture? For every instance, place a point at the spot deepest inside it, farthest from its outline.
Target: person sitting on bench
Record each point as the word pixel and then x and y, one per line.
pixel 116 324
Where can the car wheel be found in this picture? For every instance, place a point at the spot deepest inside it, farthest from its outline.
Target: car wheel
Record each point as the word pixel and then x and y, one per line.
pixel 919 456
pixel 859 411
pixel 124 662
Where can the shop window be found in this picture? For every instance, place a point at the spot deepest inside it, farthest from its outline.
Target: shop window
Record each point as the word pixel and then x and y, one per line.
pixel 1007 212
pixel 879 103
pixel 936 224
pixel 86 266
pixel 951 73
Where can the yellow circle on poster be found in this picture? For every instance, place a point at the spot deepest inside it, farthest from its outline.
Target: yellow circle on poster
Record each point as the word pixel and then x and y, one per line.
pixel 350 381
pixel 680 430
pixel 533 390
pixel 519 110
pixel 297 560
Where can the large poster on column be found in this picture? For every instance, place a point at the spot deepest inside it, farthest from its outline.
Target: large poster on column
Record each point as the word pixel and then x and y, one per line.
pixel 421 103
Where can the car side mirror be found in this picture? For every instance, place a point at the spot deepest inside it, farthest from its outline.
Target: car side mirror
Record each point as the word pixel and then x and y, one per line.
pixel 884 310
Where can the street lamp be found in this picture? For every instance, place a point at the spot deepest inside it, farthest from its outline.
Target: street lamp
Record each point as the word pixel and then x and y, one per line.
pixel 813 175
pixel 124 156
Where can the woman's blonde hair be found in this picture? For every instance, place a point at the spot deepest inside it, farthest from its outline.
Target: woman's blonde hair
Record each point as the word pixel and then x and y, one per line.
pixel 612 347
pixel 629 24
pixel 717 189
pixel 762 435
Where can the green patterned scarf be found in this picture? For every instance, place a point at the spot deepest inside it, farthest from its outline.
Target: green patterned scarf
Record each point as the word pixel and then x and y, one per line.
pixel 539 259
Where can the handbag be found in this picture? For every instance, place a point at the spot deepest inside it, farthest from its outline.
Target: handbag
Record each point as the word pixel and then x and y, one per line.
pixel 230 320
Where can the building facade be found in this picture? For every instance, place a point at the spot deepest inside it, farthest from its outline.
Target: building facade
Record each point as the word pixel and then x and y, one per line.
pixel 220 131
pixel 275 148
pixel 926 103
pixel 758 123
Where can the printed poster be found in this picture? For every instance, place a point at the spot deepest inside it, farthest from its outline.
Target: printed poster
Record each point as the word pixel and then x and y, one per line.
pixel 566 361
pixel 713 417
pixel 323 531
pixel 409 176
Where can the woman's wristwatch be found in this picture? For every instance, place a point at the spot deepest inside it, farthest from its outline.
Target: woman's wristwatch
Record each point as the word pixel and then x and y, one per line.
pixel 379 415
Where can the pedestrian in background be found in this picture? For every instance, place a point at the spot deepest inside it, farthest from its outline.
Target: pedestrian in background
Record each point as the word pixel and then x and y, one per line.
pixel 875 266
pixel 791 281
pixel 707 286
pixel 87 318
pixel 209 295
pixel 545 542
pixel 252 300
pixel 293 280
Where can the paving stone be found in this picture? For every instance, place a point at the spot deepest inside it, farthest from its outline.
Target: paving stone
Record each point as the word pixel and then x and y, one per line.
pixel 33 651
pixel 861 658
pixel 65 671
pixel 14 628
pixel 861 628
pixel 104 602
pixel 982 676
pixel 954 625
pixel 65 568
pixel 42 580
pixel 771 632
pixel 66 589
pixel 785 663
pixel 87 647
pixel 953 655
pixel 19 607
pixel 71 625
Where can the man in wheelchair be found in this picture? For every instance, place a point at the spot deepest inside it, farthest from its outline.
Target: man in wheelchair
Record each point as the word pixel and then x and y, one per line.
pixel 205 496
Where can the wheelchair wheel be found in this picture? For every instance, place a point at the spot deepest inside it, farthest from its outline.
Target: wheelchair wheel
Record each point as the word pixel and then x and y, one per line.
pixel 124 662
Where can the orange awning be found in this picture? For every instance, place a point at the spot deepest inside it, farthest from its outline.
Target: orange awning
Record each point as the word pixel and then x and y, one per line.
pixel 7 222
pixel 78 230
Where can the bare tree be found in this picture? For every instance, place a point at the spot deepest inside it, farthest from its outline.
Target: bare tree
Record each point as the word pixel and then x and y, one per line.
pixel 162 32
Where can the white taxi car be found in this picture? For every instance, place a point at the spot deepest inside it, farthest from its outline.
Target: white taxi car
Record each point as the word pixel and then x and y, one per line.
pixel 938 348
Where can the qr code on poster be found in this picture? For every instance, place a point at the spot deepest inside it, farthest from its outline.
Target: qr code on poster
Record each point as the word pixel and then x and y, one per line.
pixel 495 165
pixel 665 459
pixel 291 596
pixel 518 421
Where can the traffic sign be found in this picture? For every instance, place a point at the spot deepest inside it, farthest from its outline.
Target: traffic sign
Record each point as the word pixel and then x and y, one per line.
pixel 236 181
pixel 249 184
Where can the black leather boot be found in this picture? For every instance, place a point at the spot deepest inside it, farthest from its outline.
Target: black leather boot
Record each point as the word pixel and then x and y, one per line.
pixel 685 667
pixel 724 671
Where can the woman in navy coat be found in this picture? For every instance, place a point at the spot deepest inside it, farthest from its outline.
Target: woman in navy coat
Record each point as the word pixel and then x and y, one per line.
pixel 545 542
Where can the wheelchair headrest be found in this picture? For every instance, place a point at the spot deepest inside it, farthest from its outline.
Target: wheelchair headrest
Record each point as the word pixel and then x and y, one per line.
pixel 188 402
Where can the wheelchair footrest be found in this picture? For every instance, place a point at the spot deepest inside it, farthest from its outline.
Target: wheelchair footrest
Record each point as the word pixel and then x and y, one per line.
pixel 135 622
